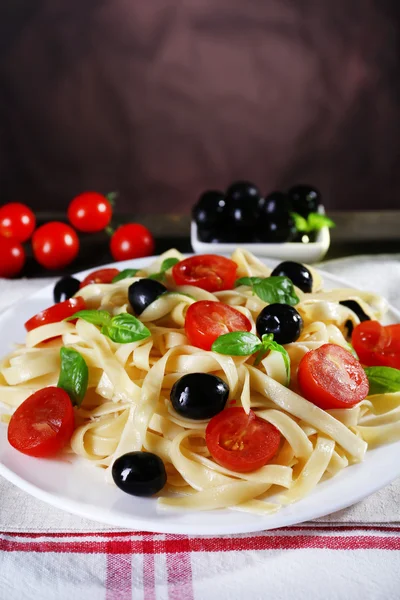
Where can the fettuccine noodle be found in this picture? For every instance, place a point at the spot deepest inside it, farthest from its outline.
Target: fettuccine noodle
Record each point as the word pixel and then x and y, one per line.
pixel 127 406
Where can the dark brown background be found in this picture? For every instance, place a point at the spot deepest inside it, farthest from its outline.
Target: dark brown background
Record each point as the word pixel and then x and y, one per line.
pixel 164 98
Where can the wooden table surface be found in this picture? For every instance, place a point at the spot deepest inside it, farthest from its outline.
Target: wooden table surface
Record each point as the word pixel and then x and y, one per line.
pixel 366 232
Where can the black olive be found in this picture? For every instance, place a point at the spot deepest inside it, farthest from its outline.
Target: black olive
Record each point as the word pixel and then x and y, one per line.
pixel 274 229
pixel 298 273
pixel 65 288
pixel 356 308
pixel 242 207
pixel 217 236
pixel 143 292
pixel 276 203
pixel 282 320
pixel 304 199
pixel 199 395
pixel 209 209
pixel 139 473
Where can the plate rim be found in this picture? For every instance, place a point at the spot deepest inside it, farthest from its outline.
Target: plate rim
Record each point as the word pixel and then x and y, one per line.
pixel 143 523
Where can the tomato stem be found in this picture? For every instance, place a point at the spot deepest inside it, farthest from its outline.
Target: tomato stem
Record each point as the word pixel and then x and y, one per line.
pixel 112 197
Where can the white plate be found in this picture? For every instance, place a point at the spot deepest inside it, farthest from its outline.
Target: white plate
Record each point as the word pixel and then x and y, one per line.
pixel 80 488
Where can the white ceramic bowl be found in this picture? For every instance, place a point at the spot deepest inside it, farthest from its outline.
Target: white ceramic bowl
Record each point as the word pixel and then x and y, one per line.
pixel 303 252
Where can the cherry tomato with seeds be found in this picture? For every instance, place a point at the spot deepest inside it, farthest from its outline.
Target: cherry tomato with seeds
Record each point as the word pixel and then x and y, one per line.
pixel 206 271
pixel 55 245
pixel 100 276
pixel 12 257
pixel 43 424
pixel 131 241
pixel 206 320
pixel 90 212
pixel 330 377
pixel 241 442
pixel 376 344
pixel 17 221
pixel 56 313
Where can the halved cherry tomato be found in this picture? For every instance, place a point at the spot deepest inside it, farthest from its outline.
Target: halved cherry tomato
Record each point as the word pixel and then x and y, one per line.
pixel 43 424
pixel 241 442
pixel 100 276
pixel 55 245
pixel 90 212
pixel 206 320
pixel 56 313
pixel 331 377
pixel 17 221
pixel 377 345
pixel 207 271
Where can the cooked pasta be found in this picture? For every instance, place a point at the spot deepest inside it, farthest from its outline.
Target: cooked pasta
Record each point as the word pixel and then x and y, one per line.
pixel 127 407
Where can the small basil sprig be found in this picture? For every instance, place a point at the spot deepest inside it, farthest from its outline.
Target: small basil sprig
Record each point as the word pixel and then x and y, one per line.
pixel 383 380
pixel 123 328
pixel 166 264
pixel 243 343
pixel 314 222
pixel 74 375
pixel 125 274
pixel 272 289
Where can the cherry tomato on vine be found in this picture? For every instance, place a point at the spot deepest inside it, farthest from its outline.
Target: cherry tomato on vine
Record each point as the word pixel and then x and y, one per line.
pixel 12 257
pixel 100 276
pixel 56 313
pixel 206 320
pixel 17 221
pixel 376 344
pixel 207 271
pixel 241 442
pixel 331 377
pixel 43 424
pixel 55 245
pixel 131 241
pixel 90 212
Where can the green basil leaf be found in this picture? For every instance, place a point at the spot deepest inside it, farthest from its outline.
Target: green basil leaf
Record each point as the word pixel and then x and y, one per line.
pixel 383 380
pixel 276 290
pixel 269 344
pixel 125 274
pixel 316 221
pixel 248 281
pixel 74 375
pixel 237 343
pixel 96 317
pixel 299 222
pixel 168 263
pixel 125 328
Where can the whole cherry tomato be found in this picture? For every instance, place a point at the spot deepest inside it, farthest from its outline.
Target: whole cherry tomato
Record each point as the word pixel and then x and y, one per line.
pixel 206 320
pixel 241 442
pixel 17 221
pixel 12 257
pixel 207 271
pixel 90 212
pixel 100 276
pixel 331 377
pixel 376 344
pixel 131 241
pixel 55 245
pixel 43 424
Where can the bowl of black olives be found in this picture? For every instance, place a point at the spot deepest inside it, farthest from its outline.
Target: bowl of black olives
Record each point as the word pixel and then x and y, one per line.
pixel 286 225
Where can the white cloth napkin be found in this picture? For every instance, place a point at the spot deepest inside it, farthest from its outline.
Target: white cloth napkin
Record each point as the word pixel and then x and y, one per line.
pixel 20 512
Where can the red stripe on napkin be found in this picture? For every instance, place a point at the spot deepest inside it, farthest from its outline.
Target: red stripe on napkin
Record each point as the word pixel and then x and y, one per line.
pixel 185 544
